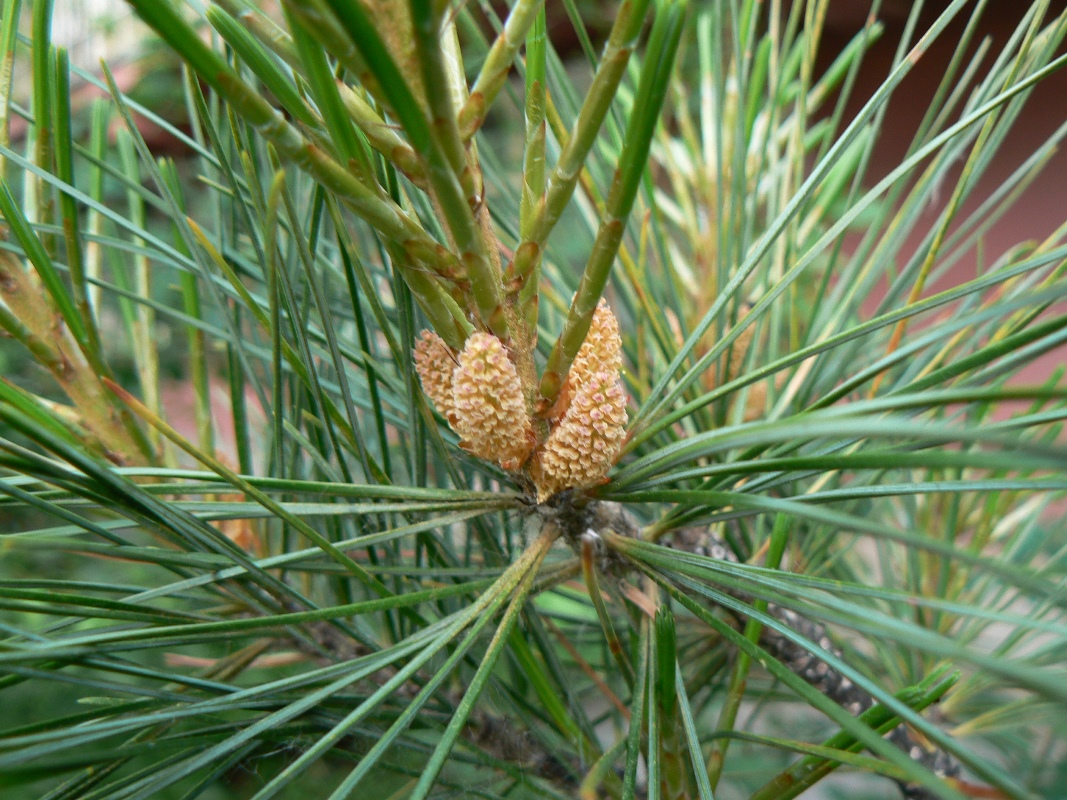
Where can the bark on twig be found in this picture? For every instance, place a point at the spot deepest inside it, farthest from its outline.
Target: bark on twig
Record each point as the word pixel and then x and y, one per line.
pixel 819 674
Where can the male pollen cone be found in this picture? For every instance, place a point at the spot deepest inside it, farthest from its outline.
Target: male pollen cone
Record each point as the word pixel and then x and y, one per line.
pixel 435 365
pixel 488 403
pixel 583 446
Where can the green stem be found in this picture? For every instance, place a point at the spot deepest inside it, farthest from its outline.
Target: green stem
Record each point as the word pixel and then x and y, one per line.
pixel 37 255
pixel 262 28
pixel 533 170
pixel 598 99
pixel 28 317
pixel 43 84
pixel 440 94
pixel 14 327
pixel 255 29
pixel 448 191
pixel 445 314
pixel 498 63
pixel 381 135
pixel 651 93
pixel 324 92
pixel 380 213
pixel 266 69
pixel 68 207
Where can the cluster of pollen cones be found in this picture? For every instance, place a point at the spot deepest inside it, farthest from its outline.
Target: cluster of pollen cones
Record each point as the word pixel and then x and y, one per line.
pixel 480 394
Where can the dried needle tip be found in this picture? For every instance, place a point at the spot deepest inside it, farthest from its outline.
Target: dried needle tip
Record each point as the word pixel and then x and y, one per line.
pixel 583 446
pixel 491 416
pixel 435 366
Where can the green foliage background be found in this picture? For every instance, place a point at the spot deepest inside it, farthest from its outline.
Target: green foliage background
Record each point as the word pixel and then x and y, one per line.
pixel 826 524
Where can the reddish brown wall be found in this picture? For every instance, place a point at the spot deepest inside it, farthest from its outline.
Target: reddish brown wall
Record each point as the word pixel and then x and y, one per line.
pixel 1044 205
